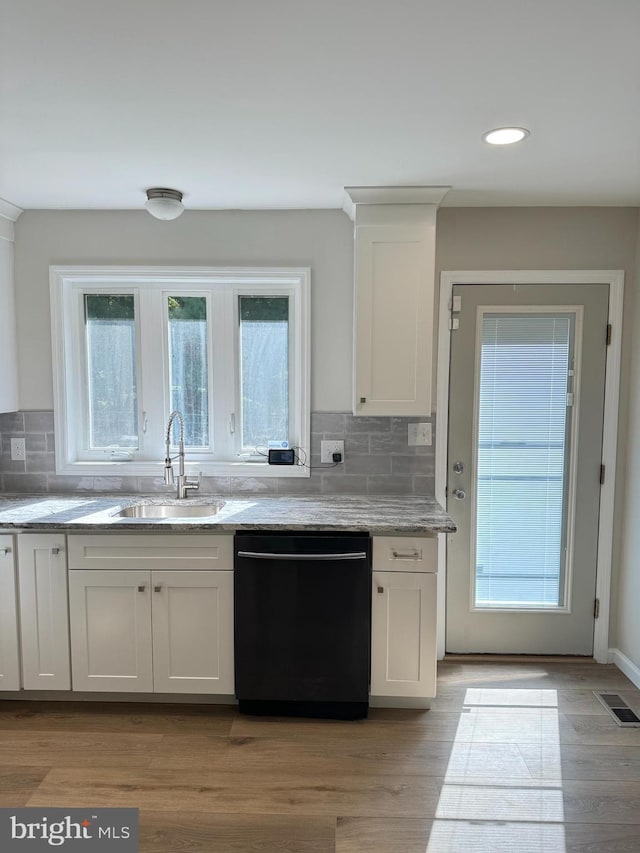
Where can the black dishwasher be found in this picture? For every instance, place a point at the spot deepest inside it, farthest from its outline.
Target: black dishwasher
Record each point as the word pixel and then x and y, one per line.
pixel 303 623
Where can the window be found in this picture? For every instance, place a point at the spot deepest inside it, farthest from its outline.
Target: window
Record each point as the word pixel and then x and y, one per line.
pixel 227 348
pixel 523 456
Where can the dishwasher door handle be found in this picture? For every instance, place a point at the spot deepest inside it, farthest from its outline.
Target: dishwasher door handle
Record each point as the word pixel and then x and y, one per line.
pixel 261 555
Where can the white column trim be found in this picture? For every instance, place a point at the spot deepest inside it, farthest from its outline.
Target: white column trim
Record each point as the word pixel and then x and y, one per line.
pixel 615 280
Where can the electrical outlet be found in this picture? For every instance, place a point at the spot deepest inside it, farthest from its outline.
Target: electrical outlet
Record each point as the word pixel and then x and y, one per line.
pixel 419 434
pixel 328 448
pixel 18 450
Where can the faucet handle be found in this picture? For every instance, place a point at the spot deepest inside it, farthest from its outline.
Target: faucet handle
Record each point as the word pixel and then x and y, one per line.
pixel 193 482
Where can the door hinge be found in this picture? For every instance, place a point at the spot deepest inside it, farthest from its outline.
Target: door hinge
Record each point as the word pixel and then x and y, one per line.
pixel 602 474
pixel 596 608
pixel 608 334
pixel 455 307
pixel 570 398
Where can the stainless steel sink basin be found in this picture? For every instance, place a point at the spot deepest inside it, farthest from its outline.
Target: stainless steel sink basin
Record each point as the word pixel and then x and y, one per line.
pixel 170 510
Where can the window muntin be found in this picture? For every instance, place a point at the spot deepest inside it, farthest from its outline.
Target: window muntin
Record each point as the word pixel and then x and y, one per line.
pixel 264 369
pixel 160 383
pixel 111 382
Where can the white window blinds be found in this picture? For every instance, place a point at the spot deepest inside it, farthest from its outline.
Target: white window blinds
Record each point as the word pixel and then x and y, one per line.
pixel 522 459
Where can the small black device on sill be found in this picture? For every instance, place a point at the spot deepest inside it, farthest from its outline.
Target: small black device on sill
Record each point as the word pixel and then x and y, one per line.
pixel 281 457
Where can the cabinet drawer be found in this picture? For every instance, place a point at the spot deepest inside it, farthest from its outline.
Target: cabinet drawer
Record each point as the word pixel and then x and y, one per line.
pixel 149 551
pixel 405 553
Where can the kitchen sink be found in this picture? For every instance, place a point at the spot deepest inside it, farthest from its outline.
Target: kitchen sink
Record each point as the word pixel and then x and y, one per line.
pixel 169 510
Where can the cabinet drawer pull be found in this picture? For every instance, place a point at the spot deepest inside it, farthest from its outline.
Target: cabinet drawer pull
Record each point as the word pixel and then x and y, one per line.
pixel 5 551
pixel 141 588
pixel 157 588
pixel 406 555
pixel 380 589
pixel 55 551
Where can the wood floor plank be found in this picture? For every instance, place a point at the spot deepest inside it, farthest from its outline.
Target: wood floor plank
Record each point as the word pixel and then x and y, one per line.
pixel 602 802
pixel 195 832
pixel 18 784
pixel 397 835
pixel 440 726
pixel 16 715
pixel 78 749
pixel 392 753
pixel 601 838
pixel 396 753
pixel 355 835
pixel 533 675
pixel 579 762
pixel 454 698
pixel 227 792
pixel 593 731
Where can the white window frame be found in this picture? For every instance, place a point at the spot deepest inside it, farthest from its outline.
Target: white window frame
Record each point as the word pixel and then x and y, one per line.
pixel 67 287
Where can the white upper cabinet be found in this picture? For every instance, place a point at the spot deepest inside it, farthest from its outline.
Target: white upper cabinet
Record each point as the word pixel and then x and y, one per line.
pixel 393 300
pixel 8 352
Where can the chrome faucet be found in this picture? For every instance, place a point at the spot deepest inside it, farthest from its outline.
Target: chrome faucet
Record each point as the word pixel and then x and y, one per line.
pixel 184 484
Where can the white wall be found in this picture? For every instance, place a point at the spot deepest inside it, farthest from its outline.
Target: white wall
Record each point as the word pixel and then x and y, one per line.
pixel 322 240
pixel 627 638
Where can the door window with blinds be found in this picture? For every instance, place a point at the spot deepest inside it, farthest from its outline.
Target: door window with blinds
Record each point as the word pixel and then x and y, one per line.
pixel 524 439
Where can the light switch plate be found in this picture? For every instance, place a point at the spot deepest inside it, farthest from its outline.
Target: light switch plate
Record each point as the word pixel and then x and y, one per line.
pixel 419 434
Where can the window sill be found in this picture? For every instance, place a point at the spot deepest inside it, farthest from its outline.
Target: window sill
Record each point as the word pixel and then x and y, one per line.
pixel 192 469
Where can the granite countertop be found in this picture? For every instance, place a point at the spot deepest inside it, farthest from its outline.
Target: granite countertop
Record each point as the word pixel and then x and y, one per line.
pixel 389 515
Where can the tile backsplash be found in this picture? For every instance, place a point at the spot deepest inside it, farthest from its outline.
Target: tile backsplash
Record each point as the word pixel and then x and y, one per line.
pixel 378 460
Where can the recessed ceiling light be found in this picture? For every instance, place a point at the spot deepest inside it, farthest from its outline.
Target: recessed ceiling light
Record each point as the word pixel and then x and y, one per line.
pixel 505 135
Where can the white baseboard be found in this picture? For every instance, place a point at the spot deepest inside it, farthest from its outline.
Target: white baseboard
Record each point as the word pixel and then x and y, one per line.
pixel 625 665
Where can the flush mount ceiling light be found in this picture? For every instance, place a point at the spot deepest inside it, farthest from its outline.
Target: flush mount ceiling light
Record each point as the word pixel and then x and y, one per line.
pixel 505 135
pixel 163 203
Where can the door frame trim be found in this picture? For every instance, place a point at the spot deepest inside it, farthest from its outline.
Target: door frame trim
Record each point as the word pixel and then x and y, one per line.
pixel 615 280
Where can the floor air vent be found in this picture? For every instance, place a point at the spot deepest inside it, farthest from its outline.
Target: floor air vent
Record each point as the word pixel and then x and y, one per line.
pixel 618 708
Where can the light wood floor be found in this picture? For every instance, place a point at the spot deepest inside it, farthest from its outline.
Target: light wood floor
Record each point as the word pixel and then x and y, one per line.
pixel 513 756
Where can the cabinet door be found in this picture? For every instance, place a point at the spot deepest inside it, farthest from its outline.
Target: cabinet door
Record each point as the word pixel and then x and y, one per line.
pixel 44 611
pixel 394 319
pixel 111 630
pixel 8 353
pixel 193 632
pixel 9 665
pixel 403 634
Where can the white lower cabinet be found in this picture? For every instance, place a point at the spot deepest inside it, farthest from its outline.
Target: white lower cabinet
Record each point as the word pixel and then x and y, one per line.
pixel 44 611
pixel 142 631
pixel 9 660
pixel 403 634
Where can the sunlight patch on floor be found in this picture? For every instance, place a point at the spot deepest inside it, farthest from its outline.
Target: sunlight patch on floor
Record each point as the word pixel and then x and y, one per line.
pixel 490 798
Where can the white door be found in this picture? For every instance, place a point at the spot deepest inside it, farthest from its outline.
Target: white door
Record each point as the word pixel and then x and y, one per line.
pixel 44 611
pixel 9 663
pixel 111 630
pixel 193 632
pixel 526 409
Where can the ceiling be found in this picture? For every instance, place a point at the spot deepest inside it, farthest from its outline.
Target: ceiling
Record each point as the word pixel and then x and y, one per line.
pixel 282 103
